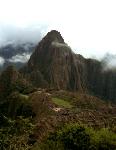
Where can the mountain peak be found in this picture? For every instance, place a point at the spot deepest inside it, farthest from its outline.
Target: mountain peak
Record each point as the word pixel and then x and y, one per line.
pixel 54 35
pixel 54 62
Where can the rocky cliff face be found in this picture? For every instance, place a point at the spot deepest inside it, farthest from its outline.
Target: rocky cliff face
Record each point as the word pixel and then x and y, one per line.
pixel 54 65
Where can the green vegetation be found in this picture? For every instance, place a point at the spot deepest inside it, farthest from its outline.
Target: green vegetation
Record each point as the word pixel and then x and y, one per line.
pixel 25 97
pixel 15 135
pixel 79 137
pixel 19 135
pixel 15 105
pixel 62 103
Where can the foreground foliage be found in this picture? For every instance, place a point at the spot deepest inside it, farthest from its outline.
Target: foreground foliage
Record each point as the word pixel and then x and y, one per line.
pixel 19 135
pixel 78 137
pixel 15 135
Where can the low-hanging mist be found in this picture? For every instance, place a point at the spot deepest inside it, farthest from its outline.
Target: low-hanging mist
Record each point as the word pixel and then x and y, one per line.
pixel 109 62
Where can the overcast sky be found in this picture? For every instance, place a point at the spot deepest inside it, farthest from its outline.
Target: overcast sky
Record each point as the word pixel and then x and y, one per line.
pixel 88 26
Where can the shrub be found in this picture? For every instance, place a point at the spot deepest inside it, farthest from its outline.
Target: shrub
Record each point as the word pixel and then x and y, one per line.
pixel 16 135
pixel 79 137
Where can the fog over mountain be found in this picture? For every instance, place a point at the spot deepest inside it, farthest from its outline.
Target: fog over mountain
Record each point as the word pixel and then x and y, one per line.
pixel 17 45
pixel 89 27
pixel 10 34
pixel 15 54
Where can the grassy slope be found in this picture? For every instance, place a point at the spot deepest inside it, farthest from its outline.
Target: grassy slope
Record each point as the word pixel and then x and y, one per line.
pixel 61 102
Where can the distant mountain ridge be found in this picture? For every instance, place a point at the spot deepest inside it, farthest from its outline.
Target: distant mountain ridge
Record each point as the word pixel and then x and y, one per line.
pixel 15 54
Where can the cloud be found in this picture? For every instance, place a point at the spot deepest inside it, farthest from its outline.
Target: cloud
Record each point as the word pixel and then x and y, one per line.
pixel 17 35
pixel 23 58
pixel 109 62
pixel 87 30
pixel 2 61
pixel 58 44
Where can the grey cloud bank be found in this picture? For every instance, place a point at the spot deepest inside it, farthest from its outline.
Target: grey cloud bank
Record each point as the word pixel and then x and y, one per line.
pixel 14 34
pixel 2 61
pixel 23 58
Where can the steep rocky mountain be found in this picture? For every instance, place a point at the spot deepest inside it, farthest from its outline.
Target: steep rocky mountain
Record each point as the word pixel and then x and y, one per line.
pixel 15 54
pixel 55 62
pixel 54 65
